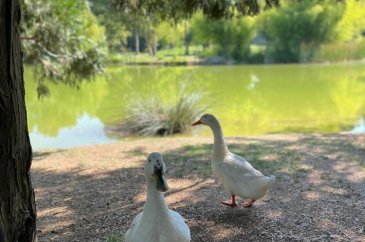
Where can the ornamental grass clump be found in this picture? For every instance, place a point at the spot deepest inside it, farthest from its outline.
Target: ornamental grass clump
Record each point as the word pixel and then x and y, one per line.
pixel 152 116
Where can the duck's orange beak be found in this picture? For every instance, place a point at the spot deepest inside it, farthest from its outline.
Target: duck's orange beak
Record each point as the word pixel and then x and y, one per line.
pixel 197 122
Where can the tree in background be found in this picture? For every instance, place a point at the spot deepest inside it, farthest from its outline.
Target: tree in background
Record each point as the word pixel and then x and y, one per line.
pixel 171 35
pixel 227 37
pixel 175 11
pixel 128 31
pixel 145 30
pixel 349 35
pixel 298 25
pixel 121 26
pixel 351 27
pixel 118 26
pixel 116 32
pixel 62 40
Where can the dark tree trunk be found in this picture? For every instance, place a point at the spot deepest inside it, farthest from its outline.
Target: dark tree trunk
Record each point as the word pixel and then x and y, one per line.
pixel 17 205
pixel 187 44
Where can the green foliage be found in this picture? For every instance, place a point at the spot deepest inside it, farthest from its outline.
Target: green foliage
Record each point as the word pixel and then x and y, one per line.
pixel 142 19
pixel 114 238
pixel 177 9
pixel 149 13
pixel 152 116
pixel 170 35
pixel 229 37
pixel 63 41
pixel 305 23
pixel 352 25
pixel 116 30
pixel 293 32
pixel 124 24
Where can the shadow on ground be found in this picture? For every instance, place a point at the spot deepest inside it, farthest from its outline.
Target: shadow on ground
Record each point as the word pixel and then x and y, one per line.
pixel 318 194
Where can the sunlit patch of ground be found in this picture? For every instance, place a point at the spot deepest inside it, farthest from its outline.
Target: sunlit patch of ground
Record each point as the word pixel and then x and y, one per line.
pixel 93 193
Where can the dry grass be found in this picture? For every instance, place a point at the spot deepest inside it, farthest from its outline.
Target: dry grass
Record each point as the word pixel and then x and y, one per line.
pixel 152 116
pixel 93 193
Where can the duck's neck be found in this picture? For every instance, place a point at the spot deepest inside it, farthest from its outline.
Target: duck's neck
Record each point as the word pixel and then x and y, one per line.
pixel 155 202
pixel 219 147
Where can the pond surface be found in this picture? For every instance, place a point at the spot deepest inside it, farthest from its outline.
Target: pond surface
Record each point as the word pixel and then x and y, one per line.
pixel 249 100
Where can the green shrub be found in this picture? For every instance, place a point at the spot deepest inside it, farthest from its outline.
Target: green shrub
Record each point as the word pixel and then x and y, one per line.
pixel 228 38
pixel 305 23
pixel 153 116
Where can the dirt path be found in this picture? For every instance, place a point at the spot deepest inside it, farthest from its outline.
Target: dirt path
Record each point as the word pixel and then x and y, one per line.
pixel 93 193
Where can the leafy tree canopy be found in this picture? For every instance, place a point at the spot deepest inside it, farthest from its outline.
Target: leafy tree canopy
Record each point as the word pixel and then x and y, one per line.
pixel 62 40
pixel 178 9
pixel 352 25
pixel 116 30
pixel 301 24
pixel 229 37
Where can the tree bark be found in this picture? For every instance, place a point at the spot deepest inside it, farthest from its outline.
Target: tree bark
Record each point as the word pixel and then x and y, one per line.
pixel 136 39
pixel 152 42
pixel 17 204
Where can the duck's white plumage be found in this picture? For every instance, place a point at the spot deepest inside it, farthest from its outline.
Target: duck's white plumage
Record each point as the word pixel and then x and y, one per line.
pixel 237 175
pixel 157 223
pixel 240 178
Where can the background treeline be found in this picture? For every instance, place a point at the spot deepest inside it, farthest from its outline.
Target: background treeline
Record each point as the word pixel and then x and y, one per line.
pixel 298 31
pixel 301 31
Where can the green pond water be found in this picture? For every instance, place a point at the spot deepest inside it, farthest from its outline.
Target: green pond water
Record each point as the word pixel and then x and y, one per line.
pixel 248 100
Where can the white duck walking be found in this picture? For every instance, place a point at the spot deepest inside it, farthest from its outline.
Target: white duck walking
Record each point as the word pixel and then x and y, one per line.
pixel 157 223
pixel 237 175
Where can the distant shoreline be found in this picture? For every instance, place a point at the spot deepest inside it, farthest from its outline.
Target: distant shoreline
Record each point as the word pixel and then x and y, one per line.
pixel 226 63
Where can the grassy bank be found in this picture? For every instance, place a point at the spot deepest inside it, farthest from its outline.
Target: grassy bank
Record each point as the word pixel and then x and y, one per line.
pixel 93 193
pixel 146 59
pixel 329 52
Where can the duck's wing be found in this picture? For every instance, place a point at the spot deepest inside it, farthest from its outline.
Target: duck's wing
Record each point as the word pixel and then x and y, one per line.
pixel 132 228
pixel 240 166
pixel 181 225
pixel 136 219
pixel 240 178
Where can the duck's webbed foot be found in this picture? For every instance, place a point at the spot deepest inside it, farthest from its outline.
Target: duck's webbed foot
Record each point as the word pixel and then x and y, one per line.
pixel 248 203
pixel 231 203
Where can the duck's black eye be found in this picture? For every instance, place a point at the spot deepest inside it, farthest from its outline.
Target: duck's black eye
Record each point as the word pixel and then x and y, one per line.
pixel 149 160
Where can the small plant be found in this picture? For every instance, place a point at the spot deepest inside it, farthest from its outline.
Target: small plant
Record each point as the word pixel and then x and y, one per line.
pixel 152 116
pixel 114 238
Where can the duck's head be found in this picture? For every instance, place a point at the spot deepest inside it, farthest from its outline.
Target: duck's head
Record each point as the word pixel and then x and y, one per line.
pixel 154 170
pixel 206 119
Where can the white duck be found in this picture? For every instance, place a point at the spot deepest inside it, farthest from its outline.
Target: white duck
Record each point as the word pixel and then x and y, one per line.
pixel 238 176
pixel 157 223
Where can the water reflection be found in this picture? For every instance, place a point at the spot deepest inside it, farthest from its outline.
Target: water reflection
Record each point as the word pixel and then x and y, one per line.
pixel 253 81
pixel 249 100
pixel 87 131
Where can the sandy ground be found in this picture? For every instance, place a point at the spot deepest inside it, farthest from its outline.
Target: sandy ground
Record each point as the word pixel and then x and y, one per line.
pixel 93 193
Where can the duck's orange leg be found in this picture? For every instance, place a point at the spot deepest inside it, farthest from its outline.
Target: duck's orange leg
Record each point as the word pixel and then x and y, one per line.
pixel 231 203
pixel 248 203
